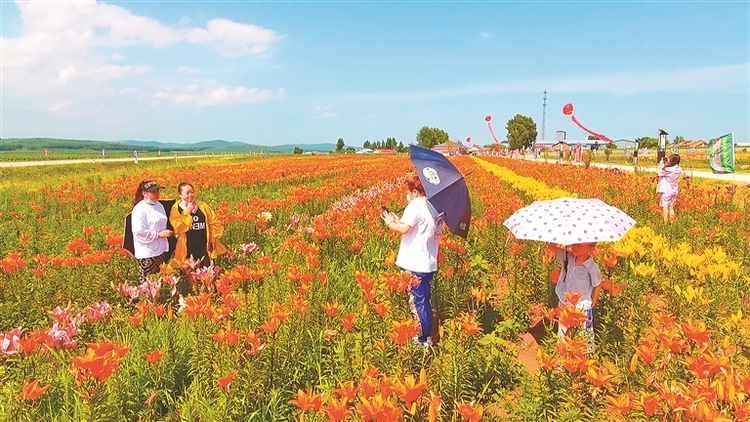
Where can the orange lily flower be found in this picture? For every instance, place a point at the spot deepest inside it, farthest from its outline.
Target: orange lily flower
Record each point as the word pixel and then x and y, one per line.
pixel 381 308
pixel 32 390
pixel 299 303
pixel 153 356
pixel 368 386
pixel 434 410
pixel 332 308
pixel 365 280
pixel 380 409
pixel 307 400
pixel 385 386
pixel 546 361
pixel 337 409
pixel 100 360
pixel 402 330
pixel 469 324
pixel 347 391
pixel 470 411
pixel 227 379
pixel 478 293
pixel 696 330
pixel 254 342
pixel 670 339
pixel 649 403
pixel 409 390
pixel 741 411
pixel 621 404
pixel 32 341
pixel 279 312
pixel 347 321
pixel 701 367
pixel 227 335
pixel 570 316
pixel 647 350
pixel 572 298
pixel 597 377
pixel 136 319
pixel 270 326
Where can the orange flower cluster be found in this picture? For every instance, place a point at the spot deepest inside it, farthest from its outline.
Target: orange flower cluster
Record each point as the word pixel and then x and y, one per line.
pixel 12 262
pixel 99 361
pixel 403 330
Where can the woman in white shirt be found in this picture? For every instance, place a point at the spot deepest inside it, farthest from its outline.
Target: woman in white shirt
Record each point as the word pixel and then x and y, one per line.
pixel 150 233
pixel 667 177
pixel 417 254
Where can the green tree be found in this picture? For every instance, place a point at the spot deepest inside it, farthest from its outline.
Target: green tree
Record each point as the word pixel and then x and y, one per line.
pixel 521 132
pixel 367 145
pixel 678 139
pixel 647 142
pixel 298 150
pixel 350 150
pixel 428 137
pixel 340 145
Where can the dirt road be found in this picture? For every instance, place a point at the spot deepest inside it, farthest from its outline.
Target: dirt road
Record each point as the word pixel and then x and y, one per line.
pixel 84 161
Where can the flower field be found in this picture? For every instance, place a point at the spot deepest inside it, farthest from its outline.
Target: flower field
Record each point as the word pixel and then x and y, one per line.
pixel 307 318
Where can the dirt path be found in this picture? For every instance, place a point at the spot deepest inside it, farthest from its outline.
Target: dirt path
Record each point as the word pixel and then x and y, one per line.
pixel 92 161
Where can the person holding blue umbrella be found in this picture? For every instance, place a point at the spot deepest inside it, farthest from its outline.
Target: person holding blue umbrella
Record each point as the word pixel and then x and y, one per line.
pixel 418 252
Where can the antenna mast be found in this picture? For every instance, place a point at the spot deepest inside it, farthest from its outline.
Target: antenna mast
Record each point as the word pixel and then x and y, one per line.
pixel 544 114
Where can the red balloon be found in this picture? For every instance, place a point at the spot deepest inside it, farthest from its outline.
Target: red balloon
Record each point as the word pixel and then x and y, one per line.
pixel 468 140
pixel 567 109
pixel 488 118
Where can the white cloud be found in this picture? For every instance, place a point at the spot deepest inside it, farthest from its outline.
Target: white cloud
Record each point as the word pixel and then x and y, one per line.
pixel 327 115
pixel 484 34
pixel 232 38
pixel 58 54
pixel 212 94
pixel 185 21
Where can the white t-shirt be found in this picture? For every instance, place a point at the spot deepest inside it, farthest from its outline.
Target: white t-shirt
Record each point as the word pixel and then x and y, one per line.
pixel 148 221
pixel 419 246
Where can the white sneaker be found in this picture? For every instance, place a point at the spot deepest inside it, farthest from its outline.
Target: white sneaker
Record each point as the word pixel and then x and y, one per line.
pixel 422 344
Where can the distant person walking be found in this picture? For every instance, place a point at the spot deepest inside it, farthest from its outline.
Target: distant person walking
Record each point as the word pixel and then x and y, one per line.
pixel 667 178
pixel 135 156
pixel 102 152
pixel 45 152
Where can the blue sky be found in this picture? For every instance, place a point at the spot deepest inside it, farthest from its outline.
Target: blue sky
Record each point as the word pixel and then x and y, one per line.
pixel 308 72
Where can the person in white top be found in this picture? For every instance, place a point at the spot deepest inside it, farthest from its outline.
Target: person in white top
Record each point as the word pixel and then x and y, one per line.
pixel 667 178
pixel 149 222
pixel 417 254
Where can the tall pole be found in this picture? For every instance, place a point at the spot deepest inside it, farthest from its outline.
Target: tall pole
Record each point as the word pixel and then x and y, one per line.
pixel 544 114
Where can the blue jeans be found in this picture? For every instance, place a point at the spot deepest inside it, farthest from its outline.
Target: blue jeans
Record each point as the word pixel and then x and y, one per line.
pixel 419 303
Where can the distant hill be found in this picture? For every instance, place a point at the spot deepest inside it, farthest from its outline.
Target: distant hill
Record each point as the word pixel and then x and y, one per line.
pixel 214 146
pixel 38 144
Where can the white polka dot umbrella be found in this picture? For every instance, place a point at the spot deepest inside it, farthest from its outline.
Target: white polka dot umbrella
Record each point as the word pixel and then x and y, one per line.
pixel 567 221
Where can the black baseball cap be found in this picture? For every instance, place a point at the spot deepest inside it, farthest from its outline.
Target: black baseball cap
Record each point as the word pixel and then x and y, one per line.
pixel 151 186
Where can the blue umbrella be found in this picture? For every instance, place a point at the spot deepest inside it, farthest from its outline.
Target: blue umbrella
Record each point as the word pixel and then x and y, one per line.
pixel 445 188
